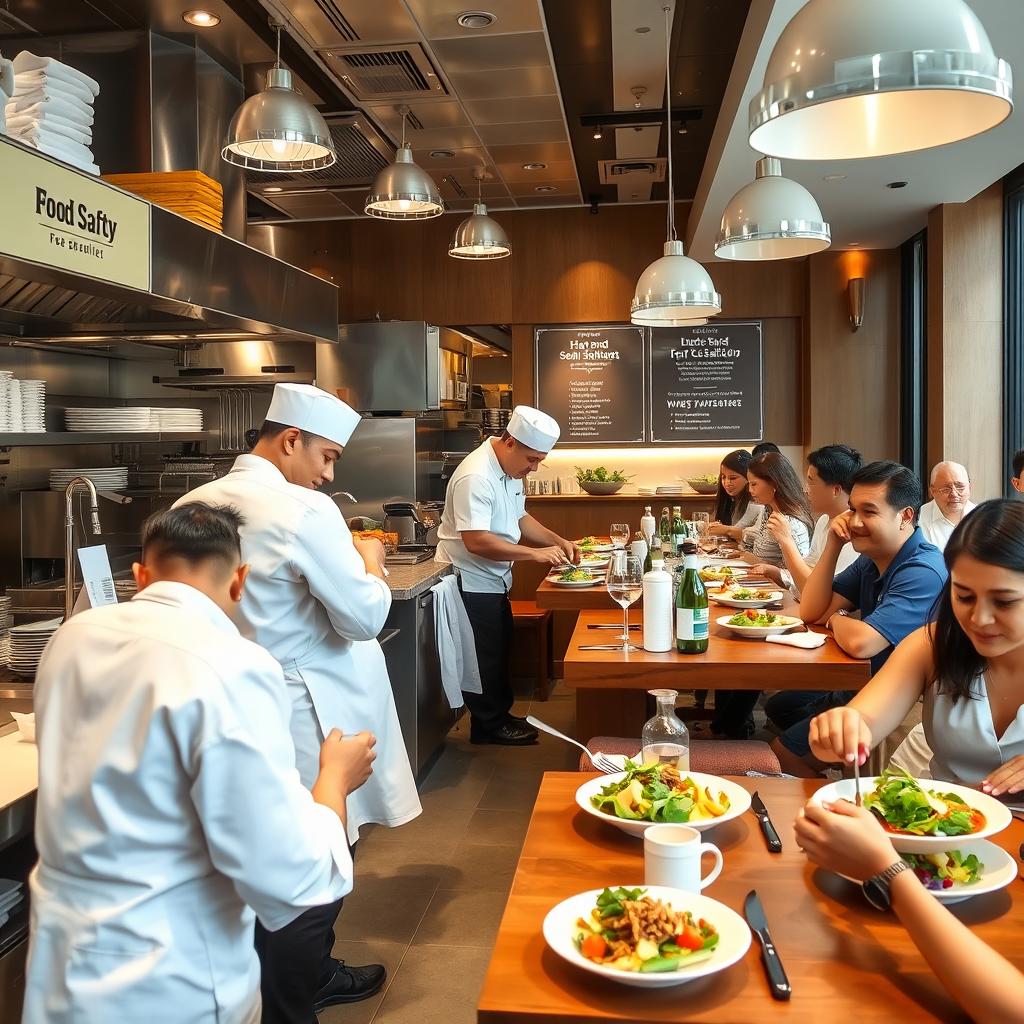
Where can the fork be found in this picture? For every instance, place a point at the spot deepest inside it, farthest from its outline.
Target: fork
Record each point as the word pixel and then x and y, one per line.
pixel 856 776
pixel 600 761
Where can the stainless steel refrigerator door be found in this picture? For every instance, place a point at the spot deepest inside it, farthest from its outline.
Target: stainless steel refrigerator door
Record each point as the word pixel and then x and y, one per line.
pixel 378 463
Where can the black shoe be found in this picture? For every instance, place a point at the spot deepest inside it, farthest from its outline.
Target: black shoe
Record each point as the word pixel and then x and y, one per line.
pixel 350 985
pixel 508 734
pixel 519 720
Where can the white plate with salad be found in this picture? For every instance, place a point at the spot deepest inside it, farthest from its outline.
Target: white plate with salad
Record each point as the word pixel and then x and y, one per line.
pixel 746 597
pixel 647 794
pixel 756 623
pixel 923 815
pixel 574 576
pixel 697 935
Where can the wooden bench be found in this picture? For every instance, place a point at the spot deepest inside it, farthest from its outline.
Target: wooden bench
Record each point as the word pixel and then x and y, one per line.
pixel 531 658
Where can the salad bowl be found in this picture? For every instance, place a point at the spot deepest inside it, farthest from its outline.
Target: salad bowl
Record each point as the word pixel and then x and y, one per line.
pixel 907 802
pixel 560 928
pixel 758 632
pixel 724 597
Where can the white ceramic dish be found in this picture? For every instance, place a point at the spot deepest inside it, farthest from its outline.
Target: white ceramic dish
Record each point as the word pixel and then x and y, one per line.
pixel 739 802
pixel 556 582
pixel 732 602
pixel 997 815
pixel 760 632
pixel 734 936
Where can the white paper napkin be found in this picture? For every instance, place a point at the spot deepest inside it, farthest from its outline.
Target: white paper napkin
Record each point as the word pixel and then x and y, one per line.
pixel 808 641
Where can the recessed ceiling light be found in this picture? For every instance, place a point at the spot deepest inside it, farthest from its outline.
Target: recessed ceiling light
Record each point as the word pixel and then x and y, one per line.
pixel 853 245
pixel 643 29
pixel 273 188
pixel 201 19
pixel 835 177
pixel 546 188
pixel 442 154
pixel 476 19
pixel 897 184
pixel 536 166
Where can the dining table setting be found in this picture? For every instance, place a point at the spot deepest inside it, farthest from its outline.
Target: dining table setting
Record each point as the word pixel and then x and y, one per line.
pixel 763 934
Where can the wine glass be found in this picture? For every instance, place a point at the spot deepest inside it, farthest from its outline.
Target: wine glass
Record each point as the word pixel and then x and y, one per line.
pixel 701 521
pixel 619 534
pixel 625 585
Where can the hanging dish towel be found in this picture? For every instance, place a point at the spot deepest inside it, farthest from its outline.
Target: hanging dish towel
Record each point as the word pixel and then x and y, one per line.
pixel 456 646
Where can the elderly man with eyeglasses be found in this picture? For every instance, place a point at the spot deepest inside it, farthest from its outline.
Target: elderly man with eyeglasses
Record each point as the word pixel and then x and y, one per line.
pixel 950 488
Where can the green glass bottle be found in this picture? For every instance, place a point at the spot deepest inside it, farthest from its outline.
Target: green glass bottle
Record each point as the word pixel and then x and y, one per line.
pixel 691 605
pixel 679 533
pixel 654 554
pixel 665 530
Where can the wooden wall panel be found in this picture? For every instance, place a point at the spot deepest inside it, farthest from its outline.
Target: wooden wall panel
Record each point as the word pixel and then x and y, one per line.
pixel 851 394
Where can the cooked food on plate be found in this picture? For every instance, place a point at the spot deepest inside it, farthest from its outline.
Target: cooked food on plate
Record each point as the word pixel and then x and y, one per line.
pixel 389 540
pixel 629 931
pixel 746 594
pixel 720 572
pixel 760 618
pixel 905 807
pixel 657 792
pixel 574 575
pixel 589 542
pixel 944 870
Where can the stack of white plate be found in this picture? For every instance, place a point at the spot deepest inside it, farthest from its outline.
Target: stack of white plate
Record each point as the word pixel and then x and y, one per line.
pixel 28 643
pixel 106 478
pixel 5 614
pixel 671 489
pixel 11 895
pixel 112 420
pixel 33 405
pixel 179 419
pixel 5 400
pixel 6 621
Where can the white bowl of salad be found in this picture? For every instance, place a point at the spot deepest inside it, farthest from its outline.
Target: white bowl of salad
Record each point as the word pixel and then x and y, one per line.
pixel 923 815
pixel 683 936
pixel 739 596
pixel 756 623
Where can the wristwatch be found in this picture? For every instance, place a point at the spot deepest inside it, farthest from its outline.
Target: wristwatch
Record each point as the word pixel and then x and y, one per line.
pixel 877 888
pixel 840 611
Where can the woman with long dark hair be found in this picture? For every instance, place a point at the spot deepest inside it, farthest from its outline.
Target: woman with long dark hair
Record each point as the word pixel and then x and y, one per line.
pixel 734 511
pixel 773 483
pixel 968 665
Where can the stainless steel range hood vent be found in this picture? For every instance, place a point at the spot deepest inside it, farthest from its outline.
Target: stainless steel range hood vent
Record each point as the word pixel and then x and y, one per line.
pixel 385 72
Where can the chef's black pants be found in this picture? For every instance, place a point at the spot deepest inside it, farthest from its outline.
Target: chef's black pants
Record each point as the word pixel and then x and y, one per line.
pixel 296 962
pixel 490 615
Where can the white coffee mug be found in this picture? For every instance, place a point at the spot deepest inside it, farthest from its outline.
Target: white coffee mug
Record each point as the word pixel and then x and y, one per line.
pixel 672 857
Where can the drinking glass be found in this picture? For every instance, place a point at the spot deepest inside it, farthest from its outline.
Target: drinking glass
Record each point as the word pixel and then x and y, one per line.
pixel 701 521
pixel 625 585
pixel 620 534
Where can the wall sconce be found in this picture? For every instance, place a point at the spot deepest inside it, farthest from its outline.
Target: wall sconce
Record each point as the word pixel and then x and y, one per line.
pixel 855 297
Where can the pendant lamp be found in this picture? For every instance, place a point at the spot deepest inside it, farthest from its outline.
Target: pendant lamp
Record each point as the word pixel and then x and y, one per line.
pixel 674 290
pixel 404 191
pixel 850 79
pixel 772 218
pixel 479 237
pixel 278 129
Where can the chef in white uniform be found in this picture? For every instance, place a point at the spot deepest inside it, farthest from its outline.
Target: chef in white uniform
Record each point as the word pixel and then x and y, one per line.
pixel 483 530
pixel 169 808
pixel 316 600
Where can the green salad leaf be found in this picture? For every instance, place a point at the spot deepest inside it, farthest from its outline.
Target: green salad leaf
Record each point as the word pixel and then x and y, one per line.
pixel 903 804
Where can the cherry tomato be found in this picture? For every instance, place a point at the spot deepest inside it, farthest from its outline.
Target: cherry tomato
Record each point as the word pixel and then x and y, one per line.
pixel 594 947
pixel 689 938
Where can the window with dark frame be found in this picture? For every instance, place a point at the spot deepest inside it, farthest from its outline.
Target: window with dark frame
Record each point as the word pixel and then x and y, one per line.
pixel 914 354
pixel 1013 320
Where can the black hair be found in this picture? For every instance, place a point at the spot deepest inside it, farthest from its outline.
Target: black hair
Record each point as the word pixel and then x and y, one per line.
pixel 790 499
pixel 836 464
pixel 992 533
pixel 902 487
pixel 271 429
pixel 728 508
pixel 195 532
pixel 1018 463
pixel 764 448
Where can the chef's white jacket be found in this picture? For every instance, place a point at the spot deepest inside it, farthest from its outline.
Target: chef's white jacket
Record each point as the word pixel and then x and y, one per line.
pixel 480 496
pixel 169 809
pixel 311 603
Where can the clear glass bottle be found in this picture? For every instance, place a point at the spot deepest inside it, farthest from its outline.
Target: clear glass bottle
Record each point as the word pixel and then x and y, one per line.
pixel 665 738
pixel 665 530
pixel 679 533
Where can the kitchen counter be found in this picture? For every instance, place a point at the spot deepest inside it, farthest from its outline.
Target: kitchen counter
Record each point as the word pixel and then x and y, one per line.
pixel 409 581
pixel 647 499
pixel 19 770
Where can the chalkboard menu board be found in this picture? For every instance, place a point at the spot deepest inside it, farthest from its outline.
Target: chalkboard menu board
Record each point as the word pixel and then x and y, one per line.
pixel 591 379
pixel 704 383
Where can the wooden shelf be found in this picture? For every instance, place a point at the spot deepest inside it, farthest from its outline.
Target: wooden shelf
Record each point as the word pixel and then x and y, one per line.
pixel 650 499
pixel 54 437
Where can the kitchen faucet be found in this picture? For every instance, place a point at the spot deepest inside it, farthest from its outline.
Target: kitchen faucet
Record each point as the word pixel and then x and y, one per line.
pixel 76 485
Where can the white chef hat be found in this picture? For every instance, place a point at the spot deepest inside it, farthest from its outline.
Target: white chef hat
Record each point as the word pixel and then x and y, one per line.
pixel 535 429
pixel 314 410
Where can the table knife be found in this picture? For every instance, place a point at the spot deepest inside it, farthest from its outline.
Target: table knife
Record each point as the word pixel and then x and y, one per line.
pixel 777 980
pixel 771 837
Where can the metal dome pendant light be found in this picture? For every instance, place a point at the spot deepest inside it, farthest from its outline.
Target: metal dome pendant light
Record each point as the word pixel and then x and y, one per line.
pixel 278 129
pixel 404 191
pixel 771 218
pixel 479 237
pixel 675 290
pixel 850 79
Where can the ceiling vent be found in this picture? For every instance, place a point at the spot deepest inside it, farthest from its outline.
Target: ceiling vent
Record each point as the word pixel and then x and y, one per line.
pixel 332 12
pixel 631 172
pixel 385 72
pixel 362 153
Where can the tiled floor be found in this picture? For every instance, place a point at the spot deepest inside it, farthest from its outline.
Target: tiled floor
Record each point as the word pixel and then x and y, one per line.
pixel 429 896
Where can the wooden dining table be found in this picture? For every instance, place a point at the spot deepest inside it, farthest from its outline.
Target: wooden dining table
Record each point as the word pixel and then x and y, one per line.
pixel 611 687
pixel 846 961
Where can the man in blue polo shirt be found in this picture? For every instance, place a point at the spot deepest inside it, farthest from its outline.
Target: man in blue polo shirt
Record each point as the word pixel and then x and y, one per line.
pixel 893 585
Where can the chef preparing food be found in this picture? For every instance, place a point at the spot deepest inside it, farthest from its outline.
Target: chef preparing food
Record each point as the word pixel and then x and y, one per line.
pixel 169 809
pixel 484 529
pixel 316 600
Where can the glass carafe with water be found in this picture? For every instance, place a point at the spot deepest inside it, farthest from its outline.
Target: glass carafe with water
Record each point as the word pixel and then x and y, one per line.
pixel 665 739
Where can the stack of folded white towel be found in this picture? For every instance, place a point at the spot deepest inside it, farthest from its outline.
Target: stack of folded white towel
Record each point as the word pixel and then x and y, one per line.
pixel 51 109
